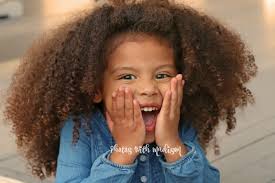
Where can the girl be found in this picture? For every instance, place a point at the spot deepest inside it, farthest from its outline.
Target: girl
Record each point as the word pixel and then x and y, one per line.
pixel 94 100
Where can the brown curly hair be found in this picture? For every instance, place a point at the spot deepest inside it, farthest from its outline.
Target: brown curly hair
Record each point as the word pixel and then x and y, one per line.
pixel 60 74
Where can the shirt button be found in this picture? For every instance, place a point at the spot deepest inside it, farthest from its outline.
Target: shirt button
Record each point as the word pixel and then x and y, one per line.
pixel 142 158
pixel 143 179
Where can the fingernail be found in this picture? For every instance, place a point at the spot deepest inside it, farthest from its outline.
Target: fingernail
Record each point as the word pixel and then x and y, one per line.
pixel 135 102
pixel 121 89
pixel 114 94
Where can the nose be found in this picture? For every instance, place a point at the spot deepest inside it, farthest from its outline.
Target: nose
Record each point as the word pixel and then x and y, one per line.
pixel 148 88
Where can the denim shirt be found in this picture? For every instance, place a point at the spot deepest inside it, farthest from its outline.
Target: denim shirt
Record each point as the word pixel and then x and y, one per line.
pixel 87 161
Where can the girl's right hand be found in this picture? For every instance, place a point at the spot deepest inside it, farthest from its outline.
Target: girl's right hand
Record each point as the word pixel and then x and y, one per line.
pixel 125 121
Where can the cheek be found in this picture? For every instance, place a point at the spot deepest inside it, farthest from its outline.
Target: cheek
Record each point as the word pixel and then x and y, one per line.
pixel 108 91
pixel 163 88
pixel 107 97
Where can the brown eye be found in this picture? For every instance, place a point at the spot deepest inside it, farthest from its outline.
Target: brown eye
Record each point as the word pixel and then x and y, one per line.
pixel 128 77
pixel 162 76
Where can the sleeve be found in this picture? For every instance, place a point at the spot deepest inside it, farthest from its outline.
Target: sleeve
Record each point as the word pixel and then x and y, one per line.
pixel 193 167
pixel 74 162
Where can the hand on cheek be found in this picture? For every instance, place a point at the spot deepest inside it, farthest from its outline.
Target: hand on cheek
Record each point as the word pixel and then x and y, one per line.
pixel 166 131
pixel 125 119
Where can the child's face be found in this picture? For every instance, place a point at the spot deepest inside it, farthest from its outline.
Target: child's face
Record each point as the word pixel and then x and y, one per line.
pixel 146 67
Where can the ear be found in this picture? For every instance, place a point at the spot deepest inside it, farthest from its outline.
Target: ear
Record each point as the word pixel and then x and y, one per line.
pixel 98 97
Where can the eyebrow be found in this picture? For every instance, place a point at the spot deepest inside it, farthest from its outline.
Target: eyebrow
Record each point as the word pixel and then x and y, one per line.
pixel 133 69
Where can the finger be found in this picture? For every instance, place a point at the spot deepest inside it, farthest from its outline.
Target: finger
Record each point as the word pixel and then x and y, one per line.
pixel 174 98
pixel 138 120
pixel 180 89
pixel 114 107
pixel 110 122
pixel 165 109
pixel 181 92
pixel 129 107
pixel 120 105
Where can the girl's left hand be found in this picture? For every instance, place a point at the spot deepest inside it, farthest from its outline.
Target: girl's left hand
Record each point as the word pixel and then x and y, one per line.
pixel 166 131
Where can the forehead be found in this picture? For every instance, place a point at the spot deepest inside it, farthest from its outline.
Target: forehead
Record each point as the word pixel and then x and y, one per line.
pixel 139 49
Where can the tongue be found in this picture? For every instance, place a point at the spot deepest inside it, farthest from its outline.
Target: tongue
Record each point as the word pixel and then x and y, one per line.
pixel 148 117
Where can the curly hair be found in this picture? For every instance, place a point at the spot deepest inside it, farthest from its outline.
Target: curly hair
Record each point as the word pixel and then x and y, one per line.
pixel 60 74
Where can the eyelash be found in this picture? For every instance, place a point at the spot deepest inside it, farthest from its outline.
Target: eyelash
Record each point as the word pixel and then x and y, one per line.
pixel 124 76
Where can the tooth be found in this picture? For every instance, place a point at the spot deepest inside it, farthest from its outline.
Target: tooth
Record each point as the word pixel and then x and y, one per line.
pixel 146 109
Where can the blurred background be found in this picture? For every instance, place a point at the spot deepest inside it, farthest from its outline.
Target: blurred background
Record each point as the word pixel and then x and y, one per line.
pixel 247 155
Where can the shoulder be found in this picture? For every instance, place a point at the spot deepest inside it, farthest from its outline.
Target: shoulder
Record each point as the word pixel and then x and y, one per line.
pixel 91 127
pixel 67 130
pixel 188 133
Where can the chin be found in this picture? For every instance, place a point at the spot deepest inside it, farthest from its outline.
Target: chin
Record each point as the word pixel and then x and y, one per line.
pixel 149 139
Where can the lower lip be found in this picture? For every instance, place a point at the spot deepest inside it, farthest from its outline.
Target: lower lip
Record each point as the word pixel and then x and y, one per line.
pixel 150 127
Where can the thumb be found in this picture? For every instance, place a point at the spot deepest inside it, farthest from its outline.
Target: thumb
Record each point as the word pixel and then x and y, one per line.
pixel 110 123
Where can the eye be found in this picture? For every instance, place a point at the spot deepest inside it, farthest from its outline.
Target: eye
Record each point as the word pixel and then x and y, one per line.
pixel 128 77
pixel 162 76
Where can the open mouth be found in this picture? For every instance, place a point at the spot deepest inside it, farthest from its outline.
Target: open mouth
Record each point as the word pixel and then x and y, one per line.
pixel 149 115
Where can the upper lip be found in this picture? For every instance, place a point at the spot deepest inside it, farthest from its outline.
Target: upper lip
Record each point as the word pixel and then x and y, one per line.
pixel 150 105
